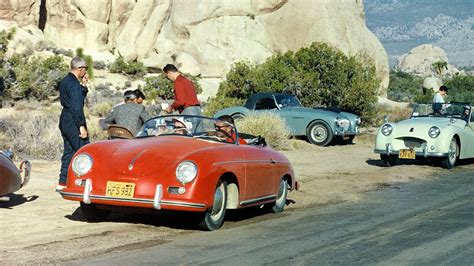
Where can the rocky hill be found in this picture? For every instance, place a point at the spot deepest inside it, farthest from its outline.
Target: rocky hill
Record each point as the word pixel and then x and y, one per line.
pixel 200 37
pixel 404 24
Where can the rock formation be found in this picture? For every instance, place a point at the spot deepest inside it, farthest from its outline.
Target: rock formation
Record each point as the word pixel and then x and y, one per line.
pixel 200 37
pixel 420 60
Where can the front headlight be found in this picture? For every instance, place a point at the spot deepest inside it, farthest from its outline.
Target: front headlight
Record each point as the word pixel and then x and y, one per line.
pixel 82 164
pixel 344 123
pixel 434 131
pixel 186 172
pixel 386 129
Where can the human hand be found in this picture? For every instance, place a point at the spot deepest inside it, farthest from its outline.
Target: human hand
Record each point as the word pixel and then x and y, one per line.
pixel 168 109
pixel 85 79
pixel 83 132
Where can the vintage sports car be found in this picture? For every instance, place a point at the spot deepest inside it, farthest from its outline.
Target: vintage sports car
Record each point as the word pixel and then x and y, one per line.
pixel 11 177
pixel 443 132
pixel 319 125
pixel 180 163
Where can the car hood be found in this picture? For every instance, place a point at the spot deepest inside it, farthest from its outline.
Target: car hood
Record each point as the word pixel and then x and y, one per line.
pixel 144 156
pixel 423 124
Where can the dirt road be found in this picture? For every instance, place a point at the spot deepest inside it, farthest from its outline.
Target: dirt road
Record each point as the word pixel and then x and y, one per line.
pixel 37 225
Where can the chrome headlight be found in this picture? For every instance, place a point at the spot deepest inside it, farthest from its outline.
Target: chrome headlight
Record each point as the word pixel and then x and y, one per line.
pixel 186 172
pixel 82 164
pixel 386 129
pixel 434 131
pixel 344 123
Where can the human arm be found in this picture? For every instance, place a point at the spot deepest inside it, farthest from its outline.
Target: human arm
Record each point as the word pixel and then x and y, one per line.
pixel 179 95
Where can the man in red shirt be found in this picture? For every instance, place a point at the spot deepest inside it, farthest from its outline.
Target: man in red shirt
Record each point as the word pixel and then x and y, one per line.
pixel 185 97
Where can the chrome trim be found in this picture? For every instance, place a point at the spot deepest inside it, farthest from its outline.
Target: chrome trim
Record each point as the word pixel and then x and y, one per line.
pixel 418 153
pixel 158 196
pixel 257 200
pixel 137 200
pixel 251 161
pixel 132 163
pixel 87 191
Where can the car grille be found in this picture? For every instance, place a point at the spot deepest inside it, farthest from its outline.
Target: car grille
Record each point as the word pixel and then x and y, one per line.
pixel 413 142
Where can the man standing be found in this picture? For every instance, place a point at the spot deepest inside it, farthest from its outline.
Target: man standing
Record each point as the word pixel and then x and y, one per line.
pixel 438 100
pixel 72 122
pixel 130 114
pixel 185 97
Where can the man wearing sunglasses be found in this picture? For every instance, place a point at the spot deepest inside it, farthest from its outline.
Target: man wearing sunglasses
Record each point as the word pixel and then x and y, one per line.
pixel 72 122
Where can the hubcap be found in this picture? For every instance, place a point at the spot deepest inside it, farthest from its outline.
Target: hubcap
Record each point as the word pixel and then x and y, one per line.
pixel 319 133
pixel 218 204
pixel 452 153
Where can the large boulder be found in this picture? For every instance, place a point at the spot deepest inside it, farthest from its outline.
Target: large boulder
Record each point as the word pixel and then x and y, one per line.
pixel 202 37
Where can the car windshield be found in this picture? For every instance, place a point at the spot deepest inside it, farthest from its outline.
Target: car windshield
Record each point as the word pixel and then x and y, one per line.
pixel 189 126
pixel 287 101
pixel 456 110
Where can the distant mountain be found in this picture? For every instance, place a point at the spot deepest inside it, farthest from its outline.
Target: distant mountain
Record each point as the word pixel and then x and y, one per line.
pixel 404 24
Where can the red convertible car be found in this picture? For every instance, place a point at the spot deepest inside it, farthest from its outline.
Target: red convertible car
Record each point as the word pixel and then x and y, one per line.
pixel 181 163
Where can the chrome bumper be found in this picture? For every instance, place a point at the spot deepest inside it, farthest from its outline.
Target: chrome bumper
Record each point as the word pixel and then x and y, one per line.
pixel 157 200
pixel 423 153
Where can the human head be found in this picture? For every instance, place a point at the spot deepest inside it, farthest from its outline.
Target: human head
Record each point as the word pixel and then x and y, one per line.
pixel 179 127
pixel 129 96
pixel 225 123
pixel 140 96
pixel 78 67
pixel 443 90
pixel 171 72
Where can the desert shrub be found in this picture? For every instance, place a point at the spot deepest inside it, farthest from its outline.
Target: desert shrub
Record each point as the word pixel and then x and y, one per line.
pixel 461 88
pixel 159 87
pixel 34 135
pixel 268 125
pixel 33 77
pixel 319 75
pixel 131 68
pixel 5 37
pixel 101 109
pixel 404 87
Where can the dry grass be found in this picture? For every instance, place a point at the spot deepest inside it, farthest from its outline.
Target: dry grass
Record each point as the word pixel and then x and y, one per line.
pixel 394 114
pixel 268 125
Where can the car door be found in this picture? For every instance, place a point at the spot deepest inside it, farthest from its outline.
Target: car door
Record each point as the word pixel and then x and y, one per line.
pixel 260 171
pixel 469 141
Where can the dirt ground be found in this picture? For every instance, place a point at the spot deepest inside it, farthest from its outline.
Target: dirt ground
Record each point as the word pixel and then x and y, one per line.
pixel 38 226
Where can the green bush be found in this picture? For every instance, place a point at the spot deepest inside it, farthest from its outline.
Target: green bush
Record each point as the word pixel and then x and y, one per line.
pixel 461 89
pixel 319 75
pixel 159 87
pixel 33 77
pixel 268 125
pixel 131 68
pixel 404 87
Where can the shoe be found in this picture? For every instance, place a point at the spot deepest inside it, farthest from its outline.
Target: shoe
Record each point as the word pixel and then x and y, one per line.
pixel 60 187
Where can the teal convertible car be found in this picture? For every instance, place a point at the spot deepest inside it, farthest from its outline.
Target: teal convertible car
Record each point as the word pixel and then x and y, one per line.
pixel 440 132
pixel 319 125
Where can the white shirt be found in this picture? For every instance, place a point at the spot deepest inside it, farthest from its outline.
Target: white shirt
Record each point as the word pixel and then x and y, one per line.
pixel 438 98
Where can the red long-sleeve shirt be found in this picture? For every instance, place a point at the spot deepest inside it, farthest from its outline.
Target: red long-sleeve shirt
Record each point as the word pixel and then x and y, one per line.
pixel 184 94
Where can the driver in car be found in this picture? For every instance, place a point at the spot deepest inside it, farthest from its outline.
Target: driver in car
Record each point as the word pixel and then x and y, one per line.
pixel 225 129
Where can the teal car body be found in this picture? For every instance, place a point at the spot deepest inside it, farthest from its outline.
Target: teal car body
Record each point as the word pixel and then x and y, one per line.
pixel 444 134
pixel 320 125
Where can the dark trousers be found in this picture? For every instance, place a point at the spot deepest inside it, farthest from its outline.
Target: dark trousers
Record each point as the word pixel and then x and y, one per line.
pixel 72 143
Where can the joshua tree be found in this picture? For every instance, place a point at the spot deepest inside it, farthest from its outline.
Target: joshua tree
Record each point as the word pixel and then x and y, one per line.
pixel 439 66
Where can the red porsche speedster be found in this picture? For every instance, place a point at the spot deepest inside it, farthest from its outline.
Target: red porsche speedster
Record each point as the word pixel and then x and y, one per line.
pixel 182 163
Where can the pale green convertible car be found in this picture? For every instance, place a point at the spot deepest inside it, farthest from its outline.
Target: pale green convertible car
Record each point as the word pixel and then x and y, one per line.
pixel 320 125
pixel 441 132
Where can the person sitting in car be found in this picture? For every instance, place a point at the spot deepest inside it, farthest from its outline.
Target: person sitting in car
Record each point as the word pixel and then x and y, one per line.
pixel 225 129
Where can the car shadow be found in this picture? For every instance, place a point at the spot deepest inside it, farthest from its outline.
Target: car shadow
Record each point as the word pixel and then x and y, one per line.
pixel 435 162
pixel 15 200
pixel 177 219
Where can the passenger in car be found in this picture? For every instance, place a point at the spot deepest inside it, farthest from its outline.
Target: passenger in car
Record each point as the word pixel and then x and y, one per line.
pixel 225 128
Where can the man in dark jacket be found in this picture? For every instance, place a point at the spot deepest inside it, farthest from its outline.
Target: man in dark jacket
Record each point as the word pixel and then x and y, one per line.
pixel 72 122
pixel 129 114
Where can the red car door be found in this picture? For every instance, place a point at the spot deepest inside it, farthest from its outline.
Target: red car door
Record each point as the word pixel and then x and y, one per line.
pixel 260 171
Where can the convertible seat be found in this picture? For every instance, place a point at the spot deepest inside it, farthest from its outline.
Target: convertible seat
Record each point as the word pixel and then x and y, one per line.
pixel 119 132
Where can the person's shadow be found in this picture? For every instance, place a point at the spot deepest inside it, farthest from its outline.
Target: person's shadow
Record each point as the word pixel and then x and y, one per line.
pixel 15 200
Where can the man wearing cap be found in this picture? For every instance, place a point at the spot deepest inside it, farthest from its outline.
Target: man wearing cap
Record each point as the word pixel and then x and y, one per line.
pixel 72 122
pixel 130 114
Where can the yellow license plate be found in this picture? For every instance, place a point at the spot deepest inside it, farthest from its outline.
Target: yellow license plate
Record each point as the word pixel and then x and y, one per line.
pixel 120 189
pixel 406 154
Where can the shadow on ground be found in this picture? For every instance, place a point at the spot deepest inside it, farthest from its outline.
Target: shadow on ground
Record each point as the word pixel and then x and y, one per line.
pixel 15 200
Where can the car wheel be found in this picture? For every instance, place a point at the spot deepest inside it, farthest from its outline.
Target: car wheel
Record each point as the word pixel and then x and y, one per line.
pixel 214 217
pixel 319 133
pixel 453 154
pixel 93 214
pixel 388 160
pixel 280 202
pixel 237 116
